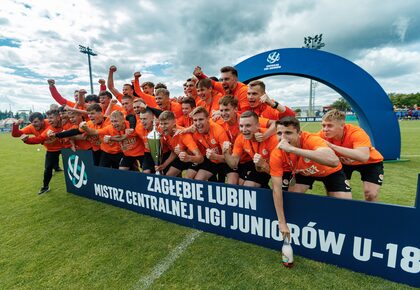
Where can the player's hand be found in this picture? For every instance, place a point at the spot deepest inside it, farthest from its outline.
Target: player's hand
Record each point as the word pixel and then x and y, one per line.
pixel 226 147
pixel 137 74
pixel 216 115
pixel 259 136
pixel 285 146
pixel 24 137
pixel 284 229
pixel 183 156
pixel 210 153
pixel 50 134
pixel 258 159
pixel 101 81
pixel 82 92
pixel 51 82
pixel 107 138
pixel 266 99
pixel 346 160
pixel 112 68
pixel 197 71
pixel 18 122
pixel 160 168
pixel 114 101
pixel 83 125
pixel 177 149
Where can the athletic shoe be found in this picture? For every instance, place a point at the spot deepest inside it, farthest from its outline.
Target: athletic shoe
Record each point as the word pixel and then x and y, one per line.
pixel 44 189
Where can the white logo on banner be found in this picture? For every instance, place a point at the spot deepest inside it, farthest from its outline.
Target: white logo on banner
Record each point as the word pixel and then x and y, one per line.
pixel 76 171
pixel 273 58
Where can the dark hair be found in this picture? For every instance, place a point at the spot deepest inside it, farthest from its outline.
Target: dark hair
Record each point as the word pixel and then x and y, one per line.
pixel 226 100
pixel 94 107
pixel 289 121
pixel 148 84
pixel 92 98
pixel 162 91
pixel 231 69
pixel 160 85
pixel 166 115
pixel 52 112
pixel 62 109
pixel 214 78
pixel 36 115
pixel 250 114
pixel 189 101
pixel 257 83
pixel 127 97
pixel 105 93
pixel 205 83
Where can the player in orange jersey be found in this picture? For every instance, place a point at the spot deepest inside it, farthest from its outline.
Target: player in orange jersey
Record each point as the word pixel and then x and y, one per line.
pixel 255 171
pixel 208 98
pixel 262 105
pixel 187 105
pixel 185 151
pixel 352 145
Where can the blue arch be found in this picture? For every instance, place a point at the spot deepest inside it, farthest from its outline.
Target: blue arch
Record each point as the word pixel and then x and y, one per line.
pixel 360 89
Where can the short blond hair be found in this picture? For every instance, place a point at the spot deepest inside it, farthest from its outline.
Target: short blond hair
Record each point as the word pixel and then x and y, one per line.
pixel 199 110
pixel 117 114
pixel 334 115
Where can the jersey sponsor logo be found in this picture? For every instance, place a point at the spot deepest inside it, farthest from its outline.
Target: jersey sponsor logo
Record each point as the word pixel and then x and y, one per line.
pixel 213 141
pixel 76 171
pixel 273 57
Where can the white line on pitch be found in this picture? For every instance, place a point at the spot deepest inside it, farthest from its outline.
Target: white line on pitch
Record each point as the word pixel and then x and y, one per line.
pixel 146 281
pixel 410 155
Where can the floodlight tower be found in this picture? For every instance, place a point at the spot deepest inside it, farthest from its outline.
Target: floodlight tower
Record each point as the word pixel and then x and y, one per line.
pixel 313 43
pixel 89 52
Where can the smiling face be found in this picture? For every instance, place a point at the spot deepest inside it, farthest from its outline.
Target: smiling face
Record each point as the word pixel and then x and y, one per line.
pixel 204 93
pixel 227 112
pixel 146 120
pixel 127 90
pixel 254 94
pixel 190 90
pixel 117 122
pixel 201 123
pixel 248 127
pixel 38 124
pixel 229 81
pixel 54 120
pixel 167 126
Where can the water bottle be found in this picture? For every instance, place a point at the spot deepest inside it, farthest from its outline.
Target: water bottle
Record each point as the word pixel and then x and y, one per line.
pixel 287 253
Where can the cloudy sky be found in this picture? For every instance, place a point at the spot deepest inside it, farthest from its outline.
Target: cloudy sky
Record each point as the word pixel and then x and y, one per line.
pixel 166 39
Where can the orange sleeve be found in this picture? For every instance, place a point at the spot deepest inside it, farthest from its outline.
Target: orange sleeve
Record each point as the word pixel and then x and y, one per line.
pixel 314 142
pixel 238 146
pixel 105 130
pixel 189 142
pixel 176 108
pixel 218 87
pixel 28 130
pixel 263 122
pixel 272 142
pixel 221 135
pixel 242 96
pixel 148 99
pixel 360 139
pixel 276 163
pixel 70 103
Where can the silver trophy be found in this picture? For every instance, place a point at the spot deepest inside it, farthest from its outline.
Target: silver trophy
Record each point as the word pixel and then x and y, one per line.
pixel 153 139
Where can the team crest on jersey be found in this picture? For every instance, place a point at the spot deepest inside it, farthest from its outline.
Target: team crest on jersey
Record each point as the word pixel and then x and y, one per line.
pixel 213 141
pixel 306 160
pixel 264 152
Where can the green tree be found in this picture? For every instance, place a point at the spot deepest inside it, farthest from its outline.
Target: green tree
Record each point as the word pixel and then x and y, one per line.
pixel 341 104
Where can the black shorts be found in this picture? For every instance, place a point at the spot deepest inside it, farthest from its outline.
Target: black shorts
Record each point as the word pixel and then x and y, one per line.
pixel 178 164
pixel 128 161
pixel 373 172
pixel 110 160
pixel 149 164
pixel 334 182
pixel 206 165
pixel 247 171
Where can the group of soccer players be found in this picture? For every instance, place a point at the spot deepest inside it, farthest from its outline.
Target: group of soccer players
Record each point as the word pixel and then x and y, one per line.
pixel 220 130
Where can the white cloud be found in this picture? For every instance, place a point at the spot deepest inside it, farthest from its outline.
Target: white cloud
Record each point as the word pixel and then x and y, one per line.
pixel 139 34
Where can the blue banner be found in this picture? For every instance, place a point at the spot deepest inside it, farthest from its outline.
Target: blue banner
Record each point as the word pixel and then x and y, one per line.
pixel 373 238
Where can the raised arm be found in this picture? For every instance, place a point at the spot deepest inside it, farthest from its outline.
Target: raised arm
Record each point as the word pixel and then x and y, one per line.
pixel 111 86
pixel 56 95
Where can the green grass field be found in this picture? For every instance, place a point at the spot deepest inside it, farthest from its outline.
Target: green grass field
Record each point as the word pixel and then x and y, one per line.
pixel 62 241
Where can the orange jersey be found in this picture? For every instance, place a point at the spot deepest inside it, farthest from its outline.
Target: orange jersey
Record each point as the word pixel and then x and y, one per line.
pixel 114 107
pixel 81 144
pixel 264 110
pixel 184 141
pixel 213 105
pixel 30 129
pixel 130 146
pixel 252 147
pixel 212 140
pixel 54 144
pixel 148 99
pixel 176 108
pixel 298 164
pixel 240 92
pixel 184 121
pixel 355 137
pixel 78 106
pixel 94 139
